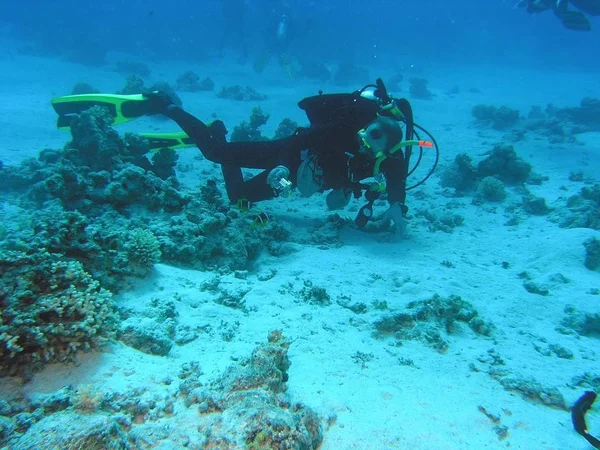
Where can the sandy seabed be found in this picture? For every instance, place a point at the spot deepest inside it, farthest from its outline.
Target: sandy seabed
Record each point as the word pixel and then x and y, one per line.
pixel 383 396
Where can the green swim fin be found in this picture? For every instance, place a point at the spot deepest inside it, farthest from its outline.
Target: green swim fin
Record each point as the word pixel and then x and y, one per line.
pixel 174 141
pixel 123 107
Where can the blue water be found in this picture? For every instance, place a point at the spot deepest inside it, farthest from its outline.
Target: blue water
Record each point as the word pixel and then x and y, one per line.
pixel 380 32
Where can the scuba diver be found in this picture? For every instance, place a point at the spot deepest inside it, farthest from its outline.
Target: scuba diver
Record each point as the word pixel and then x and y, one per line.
pixel 352 137
pixel 358 143
pixel 279 33
pixel 234 12
pixel 572 20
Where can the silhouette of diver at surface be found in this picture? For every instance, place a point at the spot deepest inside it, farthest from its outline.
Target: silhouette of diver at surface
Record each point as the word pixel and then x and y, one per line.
pixel 572 20
pixel 280 31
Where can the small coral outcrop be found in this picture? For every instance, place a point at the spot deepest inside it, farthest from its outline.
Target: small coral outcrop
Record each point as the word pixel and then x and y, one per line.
pixel 500 118
pixel 490 189
pixel 143 251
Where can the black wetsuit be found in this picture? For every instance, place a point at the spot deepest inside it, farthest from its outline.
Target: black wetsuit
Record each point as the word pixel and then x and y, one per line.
pixel 332 136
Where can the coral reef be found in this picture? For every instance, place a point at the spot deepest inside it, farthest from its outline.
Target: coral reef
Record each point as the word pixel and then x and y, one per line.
pixel 559 125
pixel 134 84
pixel 424 320
pixel 190 82
pixel 586 380
pixel 460 175
pixel 164 162
pixel 498 118
pixel 582 210
pixel 286 128
pixel 143 251
pixel 504 164
pixel 71 431
pixel 490 189
pixel 240 93
pixel 250 131
pixel 592 254
pixel 533 390
pixel 581 323
pixel 51 309
pixel 148 336
pixel 248 396
pixel 586 116
pixel 314 295
pixel 245 408
pixel 86 200
pixel 445 222
pixel 536 206
pixel 495 366
pixel 501 166
pixel 418 88
pixel 533 287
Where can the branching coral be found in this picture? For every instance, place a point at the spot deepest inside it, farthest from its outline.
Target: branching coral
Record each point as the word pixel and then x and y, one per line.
pixel 89 196
pixel 143 251
pixel 490 189
pixel 51 309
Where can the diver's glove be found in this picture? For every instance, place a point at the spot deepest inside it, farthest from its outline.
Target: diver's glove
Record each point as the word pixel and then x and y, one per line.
pixel 394 218
pixel 158 102
pixel 278 179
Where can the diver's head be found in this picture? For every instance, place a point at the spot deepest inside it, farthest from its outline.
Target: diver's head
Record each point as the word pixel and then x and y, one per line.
pixel 378 94
pixel 380 137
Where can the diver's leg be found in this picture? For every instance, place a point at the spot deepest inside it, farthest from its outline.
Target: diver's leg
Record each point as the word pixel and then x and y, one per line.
pixel 198 131
pixel 256 188
pixel 252 154
pixel 234 182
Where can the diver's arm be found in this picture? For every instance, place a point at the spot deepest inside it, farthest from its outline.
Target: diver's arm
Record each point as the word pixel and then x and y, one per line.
pixel 395 176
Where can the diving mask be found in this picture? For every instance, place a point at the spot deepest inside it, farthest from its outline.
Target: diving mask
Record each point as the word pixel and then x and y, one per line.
pixel 380 136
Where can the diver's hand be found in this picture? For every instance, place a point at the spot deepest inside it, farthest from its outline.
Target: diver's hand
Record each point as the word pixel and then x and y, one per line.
pixel 394 219
pixel 278 180
pixel 158 102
